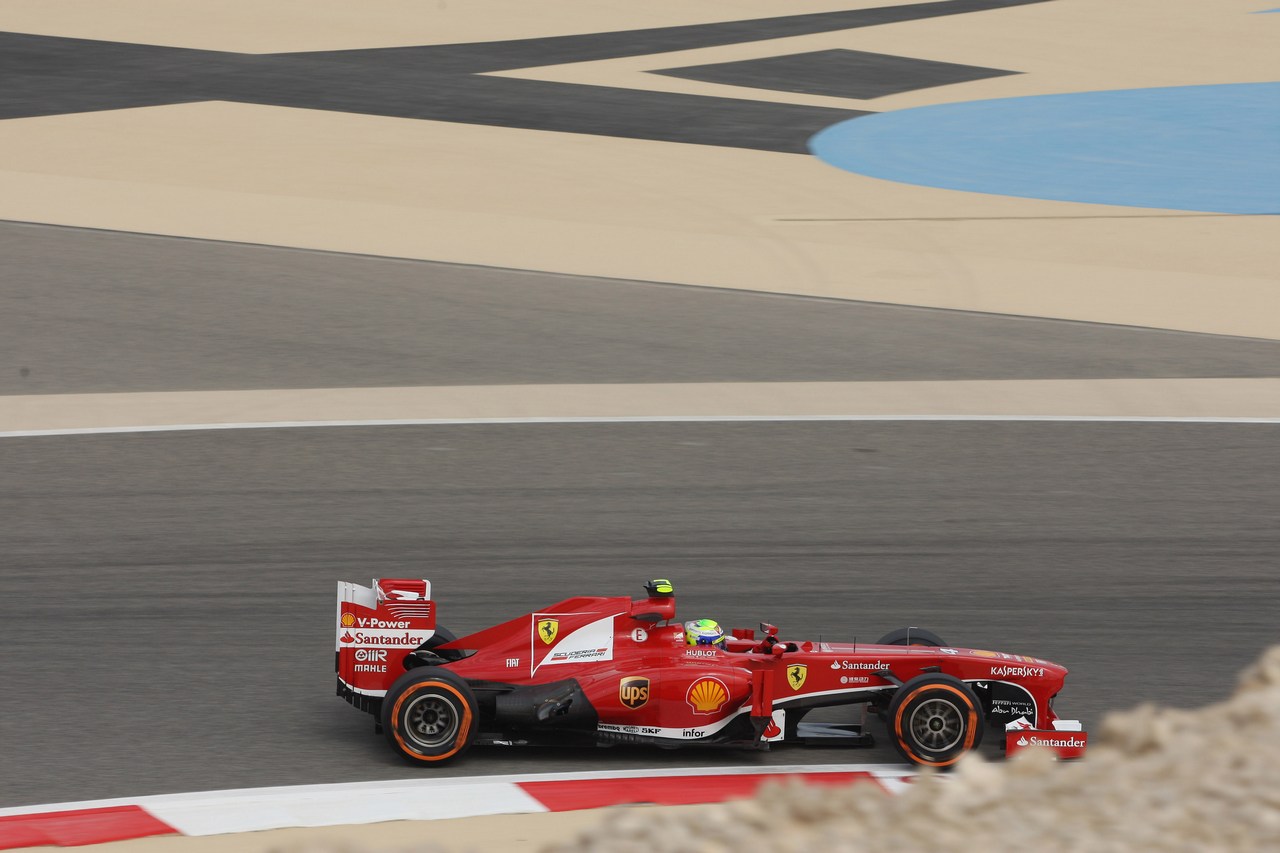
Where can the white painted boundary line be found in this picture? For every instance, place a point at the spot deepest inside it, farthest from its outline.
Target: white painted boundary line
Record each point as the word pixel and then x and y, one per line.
pixel 253 809
pixel 640 419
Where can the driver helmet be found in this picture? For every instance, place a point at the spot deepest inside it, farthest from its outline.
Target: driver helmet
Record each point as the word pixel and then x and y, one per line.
pixel 704 632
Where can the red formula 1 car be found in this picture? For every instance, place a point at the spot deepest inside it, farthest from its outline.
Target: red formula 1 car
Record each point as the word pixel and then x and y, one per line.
pixel 599 671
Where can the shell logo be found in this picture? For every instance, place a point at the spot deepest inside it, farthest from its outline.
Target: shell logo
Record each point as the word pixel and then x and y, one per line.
pixel 707 695
pixel 348 620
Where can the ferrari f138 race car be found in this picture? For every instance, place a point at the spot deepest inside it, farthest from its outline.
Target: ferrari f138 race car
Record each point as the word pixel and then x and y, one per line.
pixel 602 671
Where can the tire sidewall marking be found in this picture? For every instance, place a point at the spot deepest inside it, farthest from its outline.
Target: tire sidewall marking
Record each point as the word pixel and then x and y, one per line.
pixel 970 728
pixel 464 723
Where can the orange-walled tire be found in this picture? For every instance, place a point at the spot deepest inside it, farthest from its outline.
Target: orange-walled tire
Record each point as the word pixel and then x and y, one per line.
pixel 430 715
pixel 934 720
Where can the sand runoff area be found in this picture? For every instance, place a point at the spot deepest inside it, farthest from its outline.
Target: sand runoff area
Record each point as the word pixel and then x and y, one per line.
pixel 628 208
pixel 699 215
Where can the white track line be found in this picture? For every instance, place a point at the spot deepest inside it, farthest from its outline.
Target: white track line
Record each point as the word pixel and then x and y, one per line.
pixel 634 420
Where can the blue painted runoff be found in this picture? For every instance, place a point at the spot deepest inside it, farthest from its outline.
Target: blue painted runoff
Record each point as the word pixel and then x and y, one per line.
pixel 1203 148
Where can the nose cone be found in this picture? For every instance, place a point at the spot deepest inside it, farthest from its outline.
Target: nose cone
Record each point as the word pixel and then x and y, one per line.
pixel 1007 667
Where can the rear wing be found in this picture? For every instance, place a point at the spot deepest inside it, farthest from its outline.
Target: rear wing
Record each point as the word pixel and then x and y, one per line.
pixel 377 626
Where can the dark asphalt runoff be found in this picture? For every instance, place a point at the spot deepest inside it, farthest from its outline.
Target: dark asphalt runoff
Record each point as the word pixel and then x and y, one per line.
pixel 94 311
pixel 168 619
pixel 450 83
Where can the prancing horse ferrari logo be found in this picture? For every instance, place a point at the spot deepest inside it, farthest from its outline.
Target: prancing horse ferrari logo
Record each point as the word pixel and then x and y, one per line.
pixel 547 630
pixel 796 674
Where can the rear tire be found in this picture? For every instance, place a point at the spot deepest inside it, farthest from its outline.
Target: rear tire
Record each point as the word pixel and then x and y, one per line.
pixel 934 720
pixel 911 637
pixel 430 715
pixel 443 635
pixel 430 653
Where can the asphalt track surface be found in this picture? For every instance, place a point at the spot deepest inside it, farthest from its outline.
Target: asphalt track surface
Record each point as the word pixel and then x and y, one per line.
pixel 168 597
pixel 88 311
pixel 170 608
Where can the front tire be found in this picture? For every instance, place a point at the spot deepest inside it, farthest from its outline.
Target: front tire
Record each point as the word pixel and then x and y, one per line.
pixel 911 637
pixel 934 720
pixel 430 715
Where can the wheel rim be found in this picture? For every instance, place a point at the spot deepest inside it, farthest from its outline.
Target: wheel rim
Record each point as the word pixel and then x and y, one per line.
pixel 937 724
pixel 431 721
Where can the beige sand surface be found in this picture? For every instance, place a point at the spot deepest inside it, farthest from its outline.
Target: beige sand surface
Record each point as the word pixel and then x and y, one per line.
pixel 681 213
pixel 631 209
pixel 1126 398
pixel 1063 46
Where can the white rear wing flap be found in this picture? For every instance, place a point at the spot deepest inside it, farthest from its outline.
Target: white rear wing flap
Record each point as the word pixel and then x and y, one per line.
pixel 377 626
